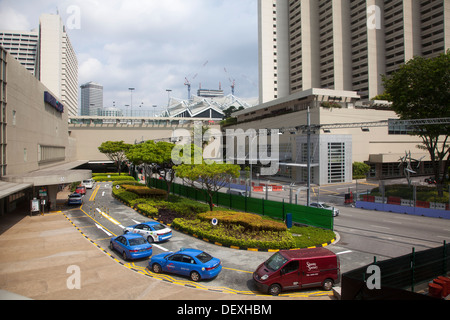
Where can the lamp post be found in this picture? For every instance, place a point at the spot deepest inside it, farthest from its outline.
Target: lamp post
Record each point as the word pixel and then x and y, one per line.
pixel 131 102
pixel 168 101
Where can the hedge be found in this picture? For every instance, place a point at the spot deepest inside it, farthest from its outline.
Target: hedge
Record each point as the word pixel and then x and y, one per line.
pixel 124 195
pixel 144 191
pixel 113 178
pixel 249 221
pixel 235 235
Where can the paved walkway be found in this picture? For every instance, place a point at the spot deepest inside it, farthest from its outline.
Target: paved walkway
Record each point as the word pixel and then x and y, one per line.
pixel 36 252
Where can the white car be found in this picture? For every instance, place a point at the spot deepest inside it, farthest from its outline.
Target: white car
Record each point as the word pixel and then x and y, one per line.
pixel 325 206
pixel 152 231
pixel 89 184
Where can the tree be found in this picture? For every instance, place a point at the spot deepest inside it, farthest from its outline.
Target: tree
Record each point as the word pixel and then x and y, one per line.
pixel 115 151
pixel 156 157
pixel 207 177
pixel 360 170
pixel 420 89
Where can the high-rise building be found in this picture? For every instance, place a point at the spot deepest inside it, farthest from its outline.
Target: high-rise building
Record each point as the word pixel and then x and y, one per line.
pixel 91 99
pixel 24 46
pixel 48 54
pixel 58 61
pixel 344 45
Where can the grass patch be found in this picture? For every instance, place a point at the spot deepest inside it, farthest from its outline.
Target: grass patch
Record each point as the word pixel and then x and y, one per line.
pixel 305 237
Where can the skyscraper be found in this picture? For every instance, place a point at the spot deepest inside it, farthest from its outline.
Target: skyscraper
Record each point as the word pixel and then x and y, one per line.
pixel 91 99
pixel 58 64
pixel 48 54
pixel 344 44
pixel 24 46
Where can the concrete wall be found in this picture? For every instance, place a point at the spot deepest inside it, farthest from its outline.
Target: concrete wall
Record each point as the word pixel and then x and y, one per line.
pixel 30 121
pixel 89 137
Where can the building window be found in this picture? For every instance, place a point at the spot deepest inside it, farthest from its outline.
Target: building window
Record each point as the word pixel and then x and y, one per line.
pixel 51 153
pixel 336 162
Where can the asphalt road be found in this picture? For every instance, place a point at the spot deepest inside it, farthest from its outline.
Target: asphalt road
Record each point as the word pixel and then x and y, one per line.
pixel 361 236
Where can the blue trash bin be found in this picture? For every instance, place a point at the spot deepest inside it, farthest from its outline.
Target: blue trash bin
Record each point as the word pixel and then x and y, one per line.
pixel 289 220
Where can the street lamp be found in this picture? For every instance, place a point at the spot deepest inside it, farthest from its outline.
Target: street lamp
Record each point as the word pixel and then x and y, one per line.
pixel 168 101
pixel 131 93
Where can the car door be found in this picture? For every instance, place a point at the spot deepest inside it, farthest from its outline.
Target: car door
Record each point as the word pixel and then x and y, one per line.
pixel 120 243
pixel 139 229
pixel 290 275
pixel 186 265
pixel 173 263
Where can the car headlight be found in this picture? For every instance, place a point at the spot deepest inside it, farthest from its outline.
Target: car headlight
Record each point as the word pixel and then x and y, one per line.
pixel 265 277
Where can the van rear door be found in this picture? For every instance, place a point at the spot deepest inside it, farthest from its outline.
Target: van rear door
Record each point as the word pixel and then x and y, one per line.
pixel 290 275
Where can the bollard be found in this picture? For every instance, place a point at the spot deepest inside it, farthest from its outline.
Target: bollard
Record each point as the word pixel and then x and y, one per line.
pixel 289 220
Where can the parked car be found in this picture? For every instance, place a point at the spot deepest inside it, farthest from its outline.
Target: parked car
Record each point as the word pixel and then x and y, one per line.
pixel 325 206
pixel 81 190
pixel 237 192
pixel 193 263
pixel 89 184
pixel 131 246
pixel 153 231
pixel 75 199
pixel 296 269
pixel 430 180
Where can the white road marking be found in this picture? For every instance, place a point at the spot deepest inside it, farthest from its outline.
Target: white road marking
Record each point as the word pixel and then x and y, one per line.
pixel 158 246
pixel 101 228
pixel 343 252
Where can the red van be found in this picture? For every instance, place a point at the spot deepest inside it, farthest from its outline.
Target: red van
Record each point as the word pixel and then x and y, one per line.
pixel 296 269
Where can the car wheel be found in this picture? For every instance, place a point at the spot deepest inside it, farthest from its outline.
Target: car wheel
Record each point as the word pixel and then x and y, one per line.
pixel 195 276
pixel 124 255
pixel 156 268
pixel 328 285
pixel 275 289
pixel 150 239
pixel 111 246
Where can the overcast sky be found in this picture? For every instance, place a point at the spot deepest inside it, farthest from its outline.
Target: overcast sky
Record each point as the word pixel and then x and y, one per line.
pixel 152 45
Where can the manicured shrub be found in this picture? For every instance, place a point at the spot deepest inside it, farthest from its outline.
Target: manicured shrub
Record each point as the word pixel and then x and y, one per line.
pixel 144 191
pixel 249 221
pixel 113 178
pixel 124 195
pixel 234 235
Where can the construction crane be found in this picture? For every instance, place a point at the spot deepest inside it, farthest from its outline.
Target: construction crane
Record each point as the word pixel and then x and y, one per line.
pixel 188 84
pixel 232 81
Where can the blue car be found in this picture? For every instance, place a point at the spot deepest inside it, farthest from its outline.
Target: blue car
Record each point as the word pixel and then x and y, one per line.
pixel 193 263
pixel 75 199
pixel 131 246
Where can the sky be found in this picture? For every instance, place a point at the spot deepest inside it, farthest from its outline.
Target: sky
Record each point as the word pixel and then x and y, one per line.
pixel 153 45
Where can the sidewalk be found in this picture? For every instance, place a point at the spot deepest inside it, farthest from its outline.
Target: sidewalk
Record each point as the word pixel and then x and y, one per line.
pixel 35 253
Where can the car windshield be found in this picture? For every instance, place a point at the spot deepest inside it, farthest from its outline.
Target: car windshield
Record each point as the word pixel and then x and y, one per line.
pixel 74 196
pixel 275 262
pixel 204 257
pixel 326 206
pixel 137 241
pixel 158 227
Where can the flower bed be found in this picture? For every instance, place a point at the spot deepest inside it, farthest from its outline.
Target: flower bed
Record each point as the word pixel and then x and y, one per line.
pixel 234 229
pixel 235 235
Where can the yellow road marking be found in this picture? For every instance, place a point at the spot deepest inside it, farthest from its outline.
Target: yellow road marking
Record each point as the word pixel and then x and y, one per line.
pixel 94 194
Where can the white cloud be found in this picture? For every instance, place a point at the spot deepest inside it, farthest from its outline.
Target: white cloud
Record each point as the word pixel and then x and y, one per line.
pixel 153 45
pixel 10 19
